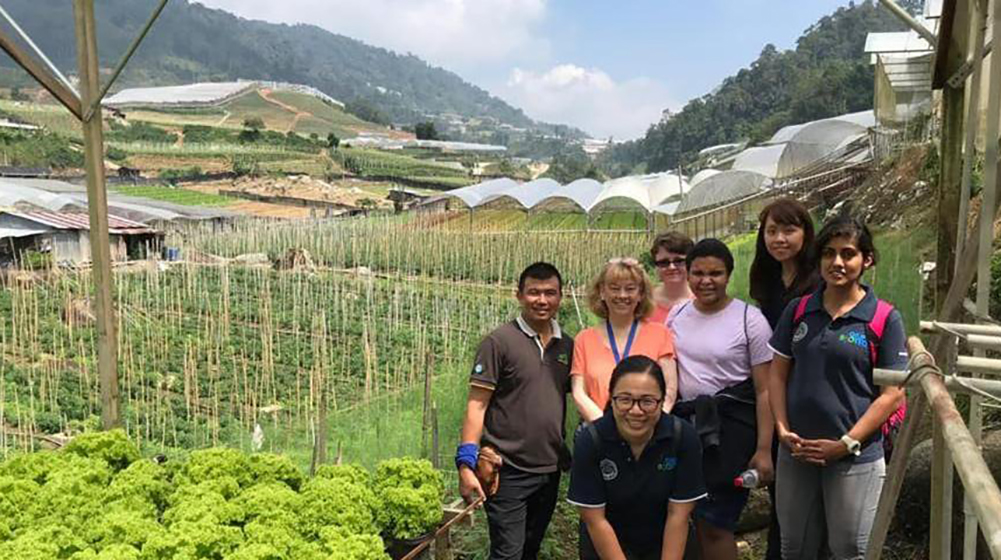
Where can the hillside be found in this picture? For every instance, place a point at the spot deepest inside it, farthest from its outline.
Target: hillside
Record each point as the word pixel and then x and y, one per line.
pixel 193 43
pixel 827 74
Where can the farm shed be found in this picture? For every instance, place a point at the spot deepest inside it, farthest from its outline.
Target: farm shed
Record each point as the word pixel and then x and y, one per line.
pixel 66 236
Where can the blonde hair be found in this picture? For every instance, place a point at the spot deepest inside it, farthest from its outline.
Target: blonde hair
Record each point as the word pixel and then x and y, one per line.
pixel 615 270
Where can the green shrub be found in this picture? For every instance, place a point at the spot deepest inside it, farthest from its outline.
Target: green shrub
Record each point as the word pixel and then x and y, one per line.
pixel 112 447
pixel 410 492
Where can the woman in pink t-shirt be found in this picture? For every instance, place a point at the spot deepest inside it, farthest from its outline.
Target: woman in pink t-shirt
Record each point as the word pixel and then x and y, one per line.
pixel 620 295
pixel 668 253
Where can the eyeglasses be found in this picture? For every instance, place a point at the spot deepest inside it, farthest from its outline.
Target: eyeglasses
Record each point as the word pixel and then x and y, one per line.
pixel 627 261
pixel 668 263
pixel 624 403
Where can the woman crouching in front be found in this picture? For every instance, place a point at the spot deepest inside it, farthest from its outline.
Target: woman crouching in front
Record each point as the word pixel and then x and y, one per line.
pixel 637 471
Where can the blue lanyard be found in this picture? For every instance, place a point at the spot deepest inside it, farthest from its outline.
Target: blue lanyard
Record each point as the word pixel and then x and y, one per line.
pixel 615 347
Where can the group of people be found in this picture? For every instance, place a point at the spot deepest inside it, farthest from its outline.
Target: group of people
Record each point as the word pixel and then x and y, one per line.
pixel 687 396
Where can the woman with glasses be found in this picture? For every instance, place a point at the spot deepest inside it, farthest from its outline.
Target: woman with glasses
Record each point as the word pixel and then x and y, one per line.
pixel 723 360
pixel 637 472
pixel 620 296
pixel 668 254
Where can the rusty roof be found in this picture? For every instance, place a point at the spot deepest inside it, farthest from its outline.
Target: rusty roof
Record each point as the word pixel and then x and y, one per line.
pixel 79 221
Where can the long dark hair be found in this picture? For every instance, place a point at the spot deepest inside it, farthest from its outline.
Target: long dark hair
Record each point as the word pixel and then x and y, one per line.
pixel 637 364
pixel 765 270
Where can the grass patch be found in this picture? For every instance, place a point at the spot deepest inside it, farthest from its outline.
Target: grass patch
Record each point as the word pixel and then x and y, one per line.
pixel 175 195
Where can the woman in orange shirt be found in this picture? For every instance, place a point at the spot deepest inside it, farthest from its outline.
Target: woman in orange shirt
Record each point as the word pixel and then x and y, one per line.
pixel 621 296
pixel 668 252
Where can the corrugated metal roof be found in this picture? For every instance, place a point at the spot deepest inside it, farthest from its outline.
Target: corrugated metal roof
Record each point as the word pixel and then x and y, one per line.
pixel 79 221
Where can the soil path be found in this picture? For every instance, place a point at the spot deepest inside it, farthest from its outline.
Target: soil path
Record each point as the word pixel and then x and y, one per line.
pixel 266 95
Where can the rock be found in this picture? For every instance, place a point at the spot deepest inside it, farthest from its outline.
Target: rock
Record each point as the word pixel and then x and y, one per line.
pixel 912 521
pixel 757 512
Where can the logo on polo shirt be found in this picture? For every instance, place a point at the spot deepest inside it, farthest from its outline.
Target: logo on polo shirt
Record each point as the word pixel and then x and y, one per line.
pixel 800 333
pixel 609 470
pixel 667 464
pixel 563 358
pixel 478 368
pixel 855 338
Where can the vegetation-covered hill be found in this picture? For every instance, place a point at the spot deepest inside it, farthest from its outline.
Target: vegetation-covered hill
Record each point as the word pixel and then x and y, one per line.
pixel 193 43
pixel 826 74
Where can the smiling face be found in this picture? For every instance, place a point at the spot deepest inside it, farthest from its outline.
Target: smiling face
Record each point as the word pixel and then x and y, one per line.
pixel 842 263
pixel 636 405
pixel 621 292
pixel 540 299
pixel 783 241
pixel 708 280
pixel 670 267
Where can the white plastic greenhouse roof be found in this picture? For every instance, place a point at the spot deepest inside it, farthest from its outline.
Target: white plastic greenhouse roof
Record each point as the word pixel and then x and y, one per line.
pixel 723 187
pixel 526 195
pixel 794 147
pixel 203 93
pixel 647 191
pixel 702 176
pixel 12 194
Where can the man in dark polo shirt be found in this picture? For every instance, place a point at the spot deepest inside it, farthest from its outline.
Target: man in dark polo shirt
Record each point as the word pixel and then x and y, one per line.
pixel 517 404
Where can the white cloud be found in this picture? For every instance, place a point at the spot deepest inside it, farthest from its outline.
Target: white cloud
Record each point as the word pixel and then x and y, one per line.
pixel 589 99
pixel 457 34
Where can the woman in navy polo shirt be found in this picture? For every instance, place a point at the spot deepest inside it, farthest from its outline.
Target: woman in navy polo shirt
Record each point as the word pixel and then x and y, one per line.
pixel 637 472
pixel 828 412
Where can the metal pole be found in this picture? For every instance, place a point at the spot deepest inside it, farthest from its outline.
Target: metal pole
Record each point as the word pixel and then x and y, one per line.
pixel 97 205
pixel 972 364
pixel 125 59
pixel 911 22
pixel 940 539
pixel 50 82
pixel 972 112
pixel 962 328
pixel 38 52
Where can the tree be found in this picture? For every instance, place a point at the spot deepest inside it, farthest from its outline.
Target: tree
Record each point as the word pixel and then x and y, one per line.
pixel 251 129
pixel 426 131
pixel 333 141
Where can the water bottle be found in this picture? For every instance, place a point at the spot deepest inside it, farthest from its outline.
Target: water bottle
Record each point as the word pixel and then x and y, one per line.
pixel 748 479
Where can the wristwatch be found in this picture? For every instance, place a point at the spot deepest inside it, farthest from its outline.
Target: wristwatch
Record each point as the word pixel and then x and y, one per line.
pixel 854 446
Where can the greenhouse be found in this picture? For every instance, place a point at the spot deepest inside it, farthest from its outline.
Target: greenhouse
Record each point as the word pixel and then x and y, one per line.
pixel 645 192
pixel 192 94
pixel 721 188
pixel 796 147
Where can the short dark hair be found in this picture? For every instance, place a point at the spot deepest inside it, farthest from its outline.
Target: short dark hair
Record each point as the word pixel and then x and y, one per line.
pixel 539 271
pixel 672 242
pixel 848 227
pixel 637 363
pixel 711 247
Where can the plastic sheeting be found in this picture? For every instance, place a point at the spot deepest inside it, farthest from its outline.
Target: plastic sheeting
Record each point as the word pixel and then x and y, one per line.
pixel 722 188
pixel 703 175
pixel 12 194
pixel 647 191
pixel 526 195
pixel 473 195
pixel 579 194
pixel 204 93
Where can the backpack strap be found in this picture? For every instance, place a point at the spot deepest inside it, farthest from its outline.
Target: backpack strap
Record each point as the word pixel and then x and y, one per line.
pixel 876 328
pixel 801 308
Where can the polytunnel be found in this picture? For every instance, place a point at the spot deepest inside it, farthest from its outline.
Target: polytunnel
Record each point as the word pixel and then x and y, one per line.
pixel 702 175
pixel 646 191
pixel 12 195
pixel 795 147
pixel 721 188
pixel 579 195
pixel 526 195
pixel 473 195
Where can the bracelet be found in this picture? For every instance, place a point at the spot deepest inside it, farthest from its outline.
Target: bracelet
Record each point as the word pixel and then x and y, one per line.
pixel 467 454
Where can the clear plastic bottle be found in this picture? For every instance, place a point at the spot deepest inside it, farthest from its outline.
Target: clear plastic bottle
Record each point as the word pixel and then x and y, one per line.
pixel 748 479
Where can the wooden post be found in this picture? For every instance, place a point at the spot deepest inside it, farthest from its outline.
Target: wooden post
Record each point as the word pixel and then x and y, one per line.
pixel 97 205
pixel 949 185
pixel 940 539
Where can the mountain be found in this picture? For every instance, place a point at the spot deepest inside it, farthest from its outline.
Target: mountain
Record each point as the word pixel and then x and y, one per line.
pixel 827 74
pixel 191 43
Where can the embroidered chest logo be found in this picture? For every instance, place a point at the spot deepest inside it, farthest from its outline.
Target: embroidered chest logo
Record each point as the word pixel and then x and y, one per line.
pixel 478 368
pixel 609 470
pixel 563 358
pixel 667 464
pixel 855 338
pixel 801 332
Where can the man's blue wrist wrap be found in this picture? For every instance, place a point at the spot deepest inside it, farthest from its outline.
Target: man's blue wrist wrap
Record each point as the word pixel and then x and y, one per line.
pixel 467 454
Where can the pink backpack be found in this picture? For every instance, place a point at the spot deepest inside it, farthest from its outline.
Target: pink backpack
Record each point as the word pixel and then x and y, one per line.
pixel 874 334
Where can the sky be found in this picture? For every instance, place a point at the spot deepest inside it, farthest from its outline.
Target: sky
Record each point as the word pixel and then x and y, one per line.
pixel 607 67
